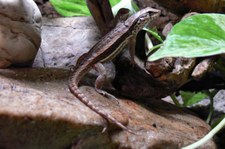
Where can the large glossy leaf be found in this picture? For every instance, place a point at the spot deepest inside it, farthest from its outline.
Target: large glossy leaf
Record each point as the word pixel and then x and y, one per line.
pixel 74 7
pixel 197 36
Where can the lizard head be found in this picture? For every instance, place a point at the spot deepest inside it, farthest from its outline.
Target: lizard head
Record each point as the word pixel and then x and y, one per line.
pixel 138 20
pixel 141 21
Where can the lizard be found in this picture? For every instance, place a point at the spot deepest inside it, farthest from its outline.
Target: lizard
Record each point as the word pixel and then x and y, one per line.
pixel 106 49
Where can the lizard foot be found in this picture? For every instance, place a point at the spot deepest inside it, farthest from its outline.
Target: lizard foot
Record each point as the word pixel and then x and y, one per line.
pixel 106 94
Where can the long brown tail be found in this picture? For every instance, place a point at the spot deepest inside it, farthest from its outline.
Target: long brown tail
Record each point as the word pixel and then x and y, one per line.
pixel 76 92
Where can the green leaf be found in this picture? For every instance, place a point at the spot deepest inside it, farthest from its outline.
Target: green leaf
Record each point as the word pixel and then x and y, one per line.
pixel 70 7
pixel 217 121
pixel 207 137
pixel 190 98
pixel 196 36
pixel 114 2
pixel 154 34
pixel 129 4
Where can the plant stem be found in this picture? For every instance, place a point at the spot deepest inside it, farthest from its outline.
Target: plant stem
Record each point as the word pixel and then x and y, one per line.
pixel 156 47
pixel 207 137
pixel 153 49
pixel 176 102
pixel 211 110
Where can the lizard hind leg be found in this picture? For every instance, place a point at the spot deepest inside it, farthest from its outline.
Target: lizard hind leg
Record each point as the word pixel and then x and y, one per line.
pixel 105 77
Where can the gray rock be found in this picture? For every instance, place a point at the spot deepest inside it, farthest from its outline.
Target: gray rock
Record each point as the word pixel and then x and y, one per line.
pixel 20 23
pixel 64 40
pixel 38 111
pixel 219 101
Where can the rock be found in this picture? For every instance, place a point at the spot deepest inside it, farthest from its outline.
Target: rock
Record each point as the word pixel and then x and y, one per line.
pixel 64 40
pixel 159 123
pixel 20 22
pixel 38 111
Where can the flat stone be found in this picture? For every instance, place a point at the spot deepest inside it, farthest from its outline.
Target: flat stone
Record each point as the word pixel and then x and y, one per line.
pixel 20 23
pixel 64 40
pixel 38 111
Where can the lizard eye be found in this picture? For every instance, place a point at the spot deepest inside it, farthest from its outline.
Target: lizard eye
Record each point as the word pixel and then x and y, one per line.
pixel 141 22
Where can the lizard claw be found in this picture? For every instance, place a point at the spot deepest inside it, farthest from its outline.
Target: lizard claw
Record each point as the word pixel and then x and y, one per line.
pixel 104 129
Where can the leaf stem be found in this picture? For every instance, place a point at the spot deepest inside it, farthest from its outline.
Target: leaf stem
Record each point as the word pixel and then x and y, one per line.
pixel 207 137
pixel 211 95
pixel 176 102
pixel 154 49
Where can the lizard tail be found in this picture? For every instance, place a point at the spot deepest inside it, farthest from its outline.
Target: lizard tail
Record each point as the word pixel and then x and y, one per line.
pixel 76 92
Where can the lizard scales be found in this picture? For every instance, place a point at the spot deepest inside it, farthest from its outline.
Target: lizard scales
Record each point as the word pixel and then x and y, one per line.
pixel 106 49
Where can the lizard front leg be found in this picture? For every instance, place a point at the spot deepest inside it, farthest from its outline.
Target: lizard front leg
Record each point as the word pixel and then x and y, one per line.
pixel 104 79
pixel 106 76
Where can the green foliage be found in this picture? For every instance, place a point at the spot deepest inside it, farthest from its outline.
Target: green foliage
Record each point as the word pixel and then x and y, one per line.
pixel 74 7
pixel 148 41
pixel 114 2
pixel 154 34
pixel 129 4
pixel 196 36
pixel 190 98
pixel 207 137
pixel 216 122
pixel 70 7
